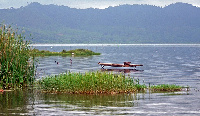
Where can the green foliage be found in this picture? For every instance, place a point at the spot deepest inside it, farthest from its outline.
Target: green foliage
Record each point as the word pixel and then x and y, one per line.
pixel 82 52
pixel 165 87
pixel 90 83
pixel 16 63
pixel 76 52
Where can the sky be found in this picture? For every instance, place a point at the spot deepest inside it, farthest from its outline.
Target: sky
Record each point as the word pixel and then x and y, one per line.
pixel 101 4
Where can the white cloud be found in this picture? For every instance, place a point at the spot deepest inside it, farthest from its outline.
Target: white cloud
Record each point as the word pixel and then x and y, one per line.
pixel 93 3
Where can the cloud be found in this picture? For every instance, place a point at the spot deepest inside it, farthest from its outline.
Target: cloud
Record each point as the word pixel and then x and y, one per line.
pixel 93 3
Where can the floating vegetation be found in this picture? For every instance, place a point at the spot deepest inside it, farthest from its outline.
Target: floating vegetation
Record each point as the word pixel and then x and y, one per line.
pixel 76 52
pixel 90 83
pixel 165 88
pixel 16 62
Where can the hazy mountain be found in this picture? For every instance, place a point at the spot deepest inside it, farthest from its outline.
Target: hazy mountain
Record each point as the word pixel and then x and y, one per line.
pixel 176 23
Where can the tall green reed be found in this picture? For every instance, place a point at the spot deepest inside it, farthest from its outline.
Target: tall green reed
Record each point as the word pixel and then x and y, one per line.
pixel 16 62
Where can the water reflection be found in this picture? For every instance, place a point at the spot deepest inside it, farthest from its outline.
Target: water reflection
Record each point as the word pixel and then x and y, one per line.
pixel 73 104
pixel 16 102
pixel 32 102
pixel 119 100
pixel 122 70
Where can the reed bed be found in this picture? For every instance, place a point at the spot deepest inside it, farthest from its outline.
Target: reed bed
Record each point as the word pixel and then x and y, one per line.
pixel 16 63
pixel 90 83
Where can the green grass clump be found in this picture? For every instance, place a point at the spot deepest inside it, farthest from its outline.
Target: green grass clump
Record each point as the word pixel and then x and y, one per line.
pixel 36 52
pixel 165 87
pixel 16 63
pixel 76 52
pixel 90 83
pixel 82 52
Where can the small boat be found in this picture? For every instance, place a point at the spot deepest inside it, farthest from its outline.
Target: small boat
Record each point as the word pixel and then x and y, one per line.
pixel 126 64
pixel 1 90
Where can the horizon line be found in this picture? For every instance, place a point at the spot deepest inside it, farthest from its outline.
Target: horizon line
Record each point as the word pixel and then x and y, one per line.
pixel 115 45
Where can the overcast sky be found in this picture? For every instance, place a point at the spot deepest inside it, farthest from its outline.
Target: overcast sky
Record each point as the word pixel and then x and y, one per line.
pixel 92 3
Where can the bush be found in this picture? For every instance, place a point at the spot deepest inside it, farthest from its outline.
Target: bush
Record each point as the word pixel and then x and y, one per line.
pixel 64 51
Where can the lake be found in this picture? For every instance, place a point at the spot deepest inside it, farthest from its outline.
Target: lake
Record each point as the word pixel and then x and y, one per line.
pixel 163 64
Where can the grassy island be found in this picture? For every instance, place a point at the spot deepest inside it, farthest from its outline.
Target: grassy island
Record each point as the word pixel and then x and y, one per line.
pixel 76 52
pixel 97 83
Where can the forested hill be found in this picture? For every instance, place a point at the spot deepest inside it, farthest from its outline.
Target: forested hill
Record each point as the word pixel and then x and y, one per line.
pixel 176 23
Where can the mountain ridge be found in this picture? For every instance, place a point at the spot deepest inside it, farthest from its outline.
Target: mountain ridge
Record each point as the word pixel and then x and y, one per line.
pixel 176 23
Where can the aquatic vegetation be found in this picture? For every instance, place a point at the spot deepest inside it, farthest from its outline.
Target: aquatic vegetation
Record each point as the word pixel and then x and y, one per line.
pixel 165 87
pixel 82 52
pixel 97 83
pixel 16 62
pixel 76 52
pixel 90 83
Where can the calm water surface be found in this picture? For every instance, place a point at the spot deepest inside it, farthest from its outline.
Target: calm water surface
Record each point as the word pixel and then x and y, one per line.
pixel 163 64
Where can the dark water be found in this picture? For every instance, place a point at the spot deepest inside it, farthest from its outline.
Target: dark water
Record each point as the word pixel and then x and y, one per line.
pixel 163 64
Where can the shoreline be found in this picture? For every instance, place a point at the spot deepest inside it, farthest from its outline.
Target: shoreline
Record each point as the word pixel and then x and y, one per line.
pixel 185 45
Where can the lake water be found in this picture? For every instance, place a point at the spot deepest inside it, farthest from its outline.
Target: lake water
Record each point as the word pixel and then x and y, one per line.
pixel 163 64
